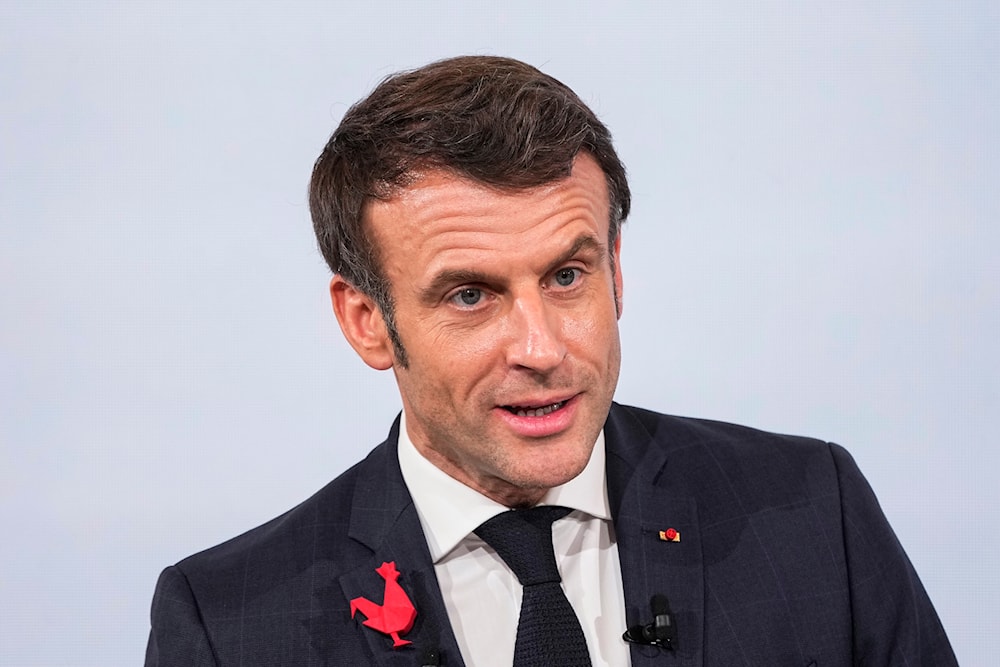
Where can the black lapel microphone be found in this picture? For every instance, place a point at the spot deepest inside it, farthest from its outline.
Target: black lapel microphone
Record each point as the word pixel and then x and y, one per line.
pixel 661 632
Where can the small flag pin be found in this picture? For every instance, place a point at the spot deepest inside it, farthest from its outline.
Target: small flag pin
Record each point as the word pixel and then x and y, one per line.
pixel 670 535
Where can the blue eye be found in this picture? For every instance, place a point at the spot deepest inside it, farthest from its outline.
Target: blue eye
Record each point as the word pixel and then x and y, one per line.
pixel 469 296
pixel 566 277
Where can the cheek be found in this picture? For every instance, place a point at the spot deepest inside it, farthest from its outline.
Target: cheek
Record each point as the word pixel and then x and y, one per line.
pixel 472 355
pixel 447 356
pixel 582 331
pixel 595 325
pixel 456 360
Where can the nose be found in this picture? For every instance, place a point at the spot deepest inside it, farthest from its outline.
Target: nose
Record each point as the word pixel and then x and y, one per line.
pixel 536 340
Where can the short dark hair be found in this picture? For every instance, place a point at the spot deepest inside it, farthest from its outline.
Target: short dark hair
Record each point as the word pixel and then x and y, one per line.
pixel 494 120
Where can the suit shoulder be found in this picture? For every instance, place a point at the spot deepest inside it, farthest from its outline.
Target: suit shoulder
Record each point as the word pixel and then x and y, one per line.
pixel 703 453
pixel 285 536
pixel 276 588
pixel 686 432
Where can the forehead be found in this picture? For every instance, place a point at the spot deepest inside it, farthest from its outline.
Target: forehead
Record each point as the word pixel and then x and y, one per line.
pixel 440 210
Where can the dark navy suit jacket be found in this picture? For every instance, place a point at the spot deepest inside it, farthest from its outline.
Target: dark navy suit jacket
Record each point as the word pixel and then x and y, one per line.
pixel 785 558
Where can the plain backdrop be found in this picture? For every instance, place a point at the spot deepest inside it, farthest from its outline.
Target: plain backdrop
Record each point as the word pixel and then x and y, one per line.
pixel 813 249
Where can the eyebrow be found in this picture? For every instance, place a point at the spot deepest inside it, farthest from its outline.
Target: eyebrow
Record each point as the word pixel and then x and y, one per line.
pixel 446 279
pixel 583 242
pixel 449 277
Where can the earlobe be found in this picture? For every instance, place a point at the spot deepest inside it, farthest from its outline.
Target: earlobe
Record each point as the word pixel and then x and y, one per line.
pixel 361 323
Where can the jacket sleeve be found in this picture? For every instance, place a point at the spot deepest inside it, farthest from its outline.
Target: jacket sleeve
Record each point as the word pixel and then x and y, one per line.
pixel 894 622
pixel 178 637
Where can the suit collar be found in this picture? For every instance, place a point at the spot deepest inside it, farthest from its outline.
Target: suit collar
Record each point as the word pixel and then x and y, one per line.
pixel 384 519
pixel 643 503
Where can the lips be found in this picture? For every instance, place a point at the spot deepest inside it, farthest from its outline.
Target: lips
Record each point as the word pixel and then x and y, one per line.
pixel 540 417
pixel 524 411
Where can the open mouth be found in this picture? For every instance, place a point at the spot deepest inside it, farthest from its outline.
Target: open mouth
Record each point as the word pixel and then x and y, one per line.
pixel 521 411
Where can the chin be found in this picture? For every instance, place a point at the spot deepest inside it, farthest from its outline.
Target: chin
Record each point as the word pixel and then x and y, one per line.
pixel 546 475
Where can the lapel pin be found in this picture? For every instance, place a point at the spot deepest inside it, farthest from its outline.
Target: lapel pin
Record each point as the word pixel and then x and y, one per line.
pixel 670 535
pixel 395 615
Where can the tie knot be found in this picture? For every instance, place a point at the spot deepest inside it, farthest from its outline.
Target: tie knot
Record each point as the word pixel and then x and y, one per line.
pixel 523 539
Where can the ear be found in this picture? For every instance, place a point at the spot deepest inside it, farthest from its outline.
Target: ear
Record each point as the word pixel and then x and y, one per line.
pixel 619 304
pixel 362 324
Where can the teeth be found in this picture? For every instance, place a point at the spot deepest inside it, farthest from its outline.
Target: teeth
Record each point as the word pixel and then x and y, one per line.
pixel 537 412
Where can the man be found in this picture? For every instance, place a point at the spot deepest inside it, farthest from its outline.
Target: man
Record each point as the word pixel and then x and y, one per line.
pixel 470 211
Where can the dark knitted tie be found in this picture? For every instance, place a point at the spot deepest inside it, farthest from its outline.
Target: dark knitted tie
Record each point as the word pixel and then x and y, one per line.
pixel 548 632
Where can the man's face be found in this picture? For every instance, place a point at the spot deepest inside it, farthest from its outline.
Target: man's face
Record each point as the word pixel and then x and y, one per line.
pixel 506 306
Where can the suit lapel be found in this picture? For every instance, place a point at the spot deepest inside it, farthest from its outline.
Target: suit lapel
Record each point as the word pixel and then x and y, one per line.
pixel 642 505
pixel 385 520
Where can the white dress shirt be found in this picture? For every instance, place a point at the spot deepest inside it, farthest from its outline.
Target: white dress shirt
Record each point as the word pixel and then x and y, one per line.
pixel 482 595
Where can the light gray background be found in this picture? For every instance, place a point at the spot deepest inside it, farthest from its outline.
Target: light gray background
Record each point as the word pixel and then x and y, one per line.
pixel 813 249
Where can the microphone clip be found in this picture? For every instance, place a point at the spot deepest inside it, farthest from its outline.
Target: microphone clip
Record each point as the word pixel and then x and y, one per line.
pixel 661 632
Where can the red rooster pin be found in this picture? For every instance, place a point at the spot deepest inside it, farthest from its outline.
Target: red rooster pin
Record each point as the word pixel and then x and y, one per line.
pixel 396 613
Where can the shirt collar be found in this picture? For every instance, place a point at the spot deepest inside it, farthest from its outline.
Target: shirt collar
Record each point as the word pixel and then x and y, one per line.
pixel 450 510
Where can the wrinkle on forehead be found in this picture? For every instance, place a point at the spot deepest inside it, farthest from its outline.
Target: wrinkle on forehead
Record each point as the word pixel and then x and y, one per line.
pixel 442 214
pixel 441 203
